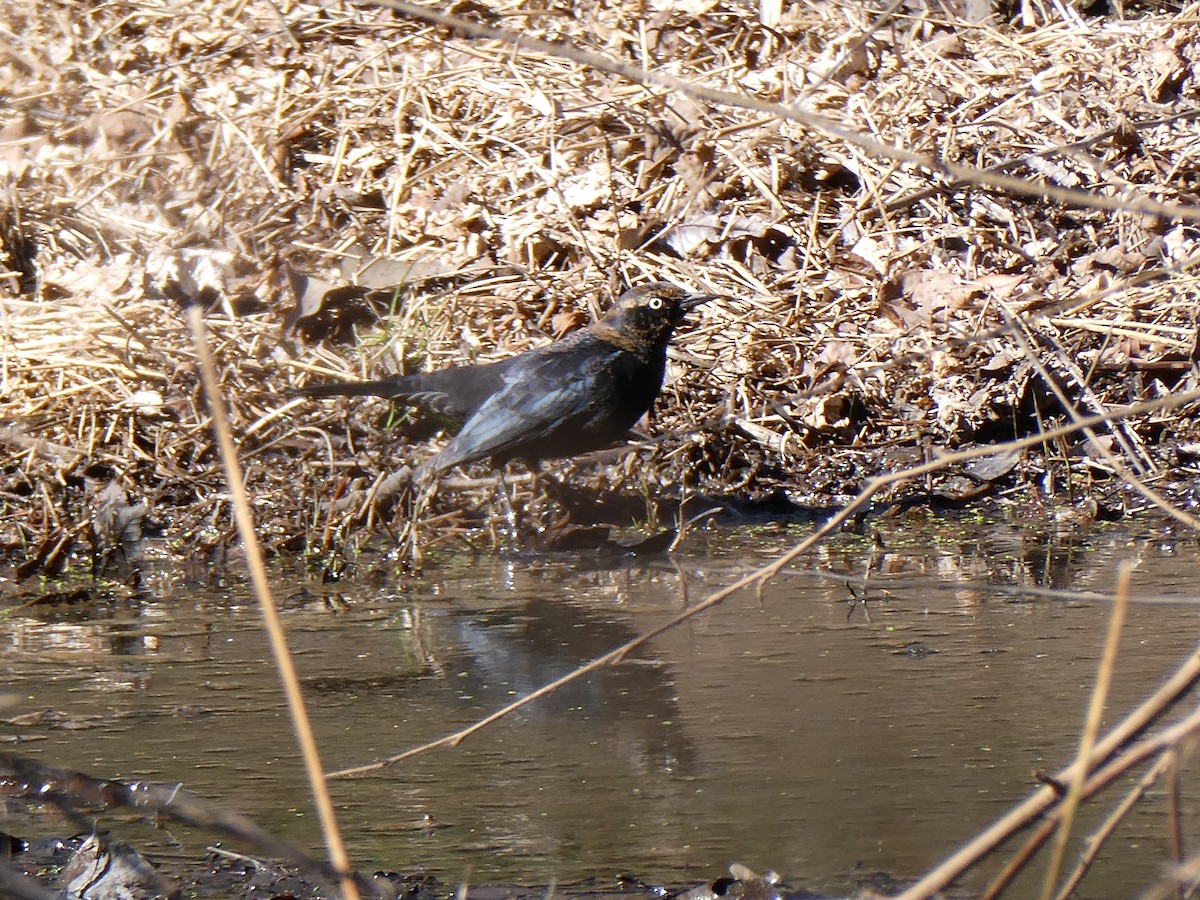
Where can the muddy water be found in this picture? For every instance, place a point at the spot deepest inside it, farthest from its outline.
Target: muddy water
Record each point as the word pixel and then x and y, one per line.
pixel 791 731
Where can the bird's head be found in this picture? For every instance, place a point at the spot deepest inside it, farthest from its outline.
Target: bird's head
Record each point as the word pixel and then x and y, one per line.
pixel 642 319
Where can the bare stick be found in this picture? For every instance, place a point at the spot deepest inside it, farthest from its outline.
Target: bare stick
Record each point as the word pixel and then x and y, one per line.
pixel 1003 828
pixel 1091 728
pixel 761 576
pixel 1173 812
pixel 1108 826
pixel 1165 740
pixel 1181 881
pixel 1020 859
pixel 258 577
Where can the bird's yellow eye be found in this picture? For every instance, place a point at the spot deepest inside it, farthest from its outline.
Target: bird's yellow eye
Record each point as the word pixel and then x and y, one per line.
pixel 655 303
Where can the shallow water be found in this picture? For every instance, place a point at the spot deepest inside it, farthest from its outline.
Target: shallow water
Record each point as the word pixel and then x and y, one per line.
pixel 791 731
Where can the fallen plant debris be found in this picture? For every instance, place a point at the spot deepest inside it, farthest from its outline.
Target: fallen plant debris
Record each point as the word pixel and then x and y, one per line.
pixel 351 192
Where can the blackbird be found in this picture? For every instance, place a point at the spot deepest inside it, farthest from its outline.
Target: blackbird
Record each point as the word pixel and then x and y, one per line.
pixel 578 394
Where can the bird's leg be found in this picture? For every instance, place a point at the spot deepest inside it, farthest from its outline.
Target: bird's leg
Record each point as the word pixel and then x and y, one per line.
pixel 535 493
pixel 506 506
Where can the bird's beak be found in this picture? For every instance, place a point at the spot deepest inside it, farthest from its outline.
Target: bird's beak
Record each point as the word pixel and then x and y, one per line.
pixel 691 301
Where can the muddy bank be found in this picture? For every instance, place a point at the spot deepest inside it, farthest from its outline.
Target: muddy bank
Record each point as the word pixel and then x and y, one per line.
pixel 76 864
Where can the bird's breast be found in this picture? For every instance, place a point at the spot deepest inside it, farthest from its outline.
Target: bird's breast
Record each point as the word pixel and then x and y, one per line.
pixel 637 381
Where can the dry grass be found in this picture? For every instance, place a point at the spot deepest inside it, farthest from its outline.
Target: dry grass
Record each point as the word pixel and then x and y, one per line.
pixel 151 152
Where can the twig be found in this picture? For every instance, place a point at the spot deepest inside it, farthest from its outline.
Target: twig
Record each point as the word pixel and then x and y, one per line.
pixel 999 831
pixel 1091 728
pixel 1101 835
pixel 1166 739
pixel 69 790
pixel 1183 877
pixel 270 614
pixel 761 576
pixel 1171 759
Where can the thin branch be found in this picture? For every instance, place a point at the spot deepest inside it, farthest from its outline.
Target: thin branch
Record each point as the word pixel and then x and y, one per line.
pixel 1165 740
pixel 1097 840
pixel 759 577
pixel 1091 728
pixel 270 614
pixel 1180 682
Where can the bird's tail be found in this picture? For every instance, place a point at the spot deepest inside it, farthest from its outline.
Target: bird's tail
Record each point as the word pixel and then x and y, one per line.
pixel 349 389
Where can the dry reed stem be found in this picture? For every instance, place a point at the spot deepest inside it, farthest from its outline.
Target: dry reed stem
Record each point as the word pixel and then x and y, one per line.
pixel 1091 727
pixel 1160 744
pixel 1105 830
pixel 1170 692
pixel 270 614
pixel 756 579
pixel 1174 813
pixel 1182 881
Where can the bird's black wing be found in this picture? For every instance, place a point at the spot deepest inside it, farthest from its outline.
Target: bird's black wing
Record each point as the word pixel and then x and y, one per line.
pixel 560 391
